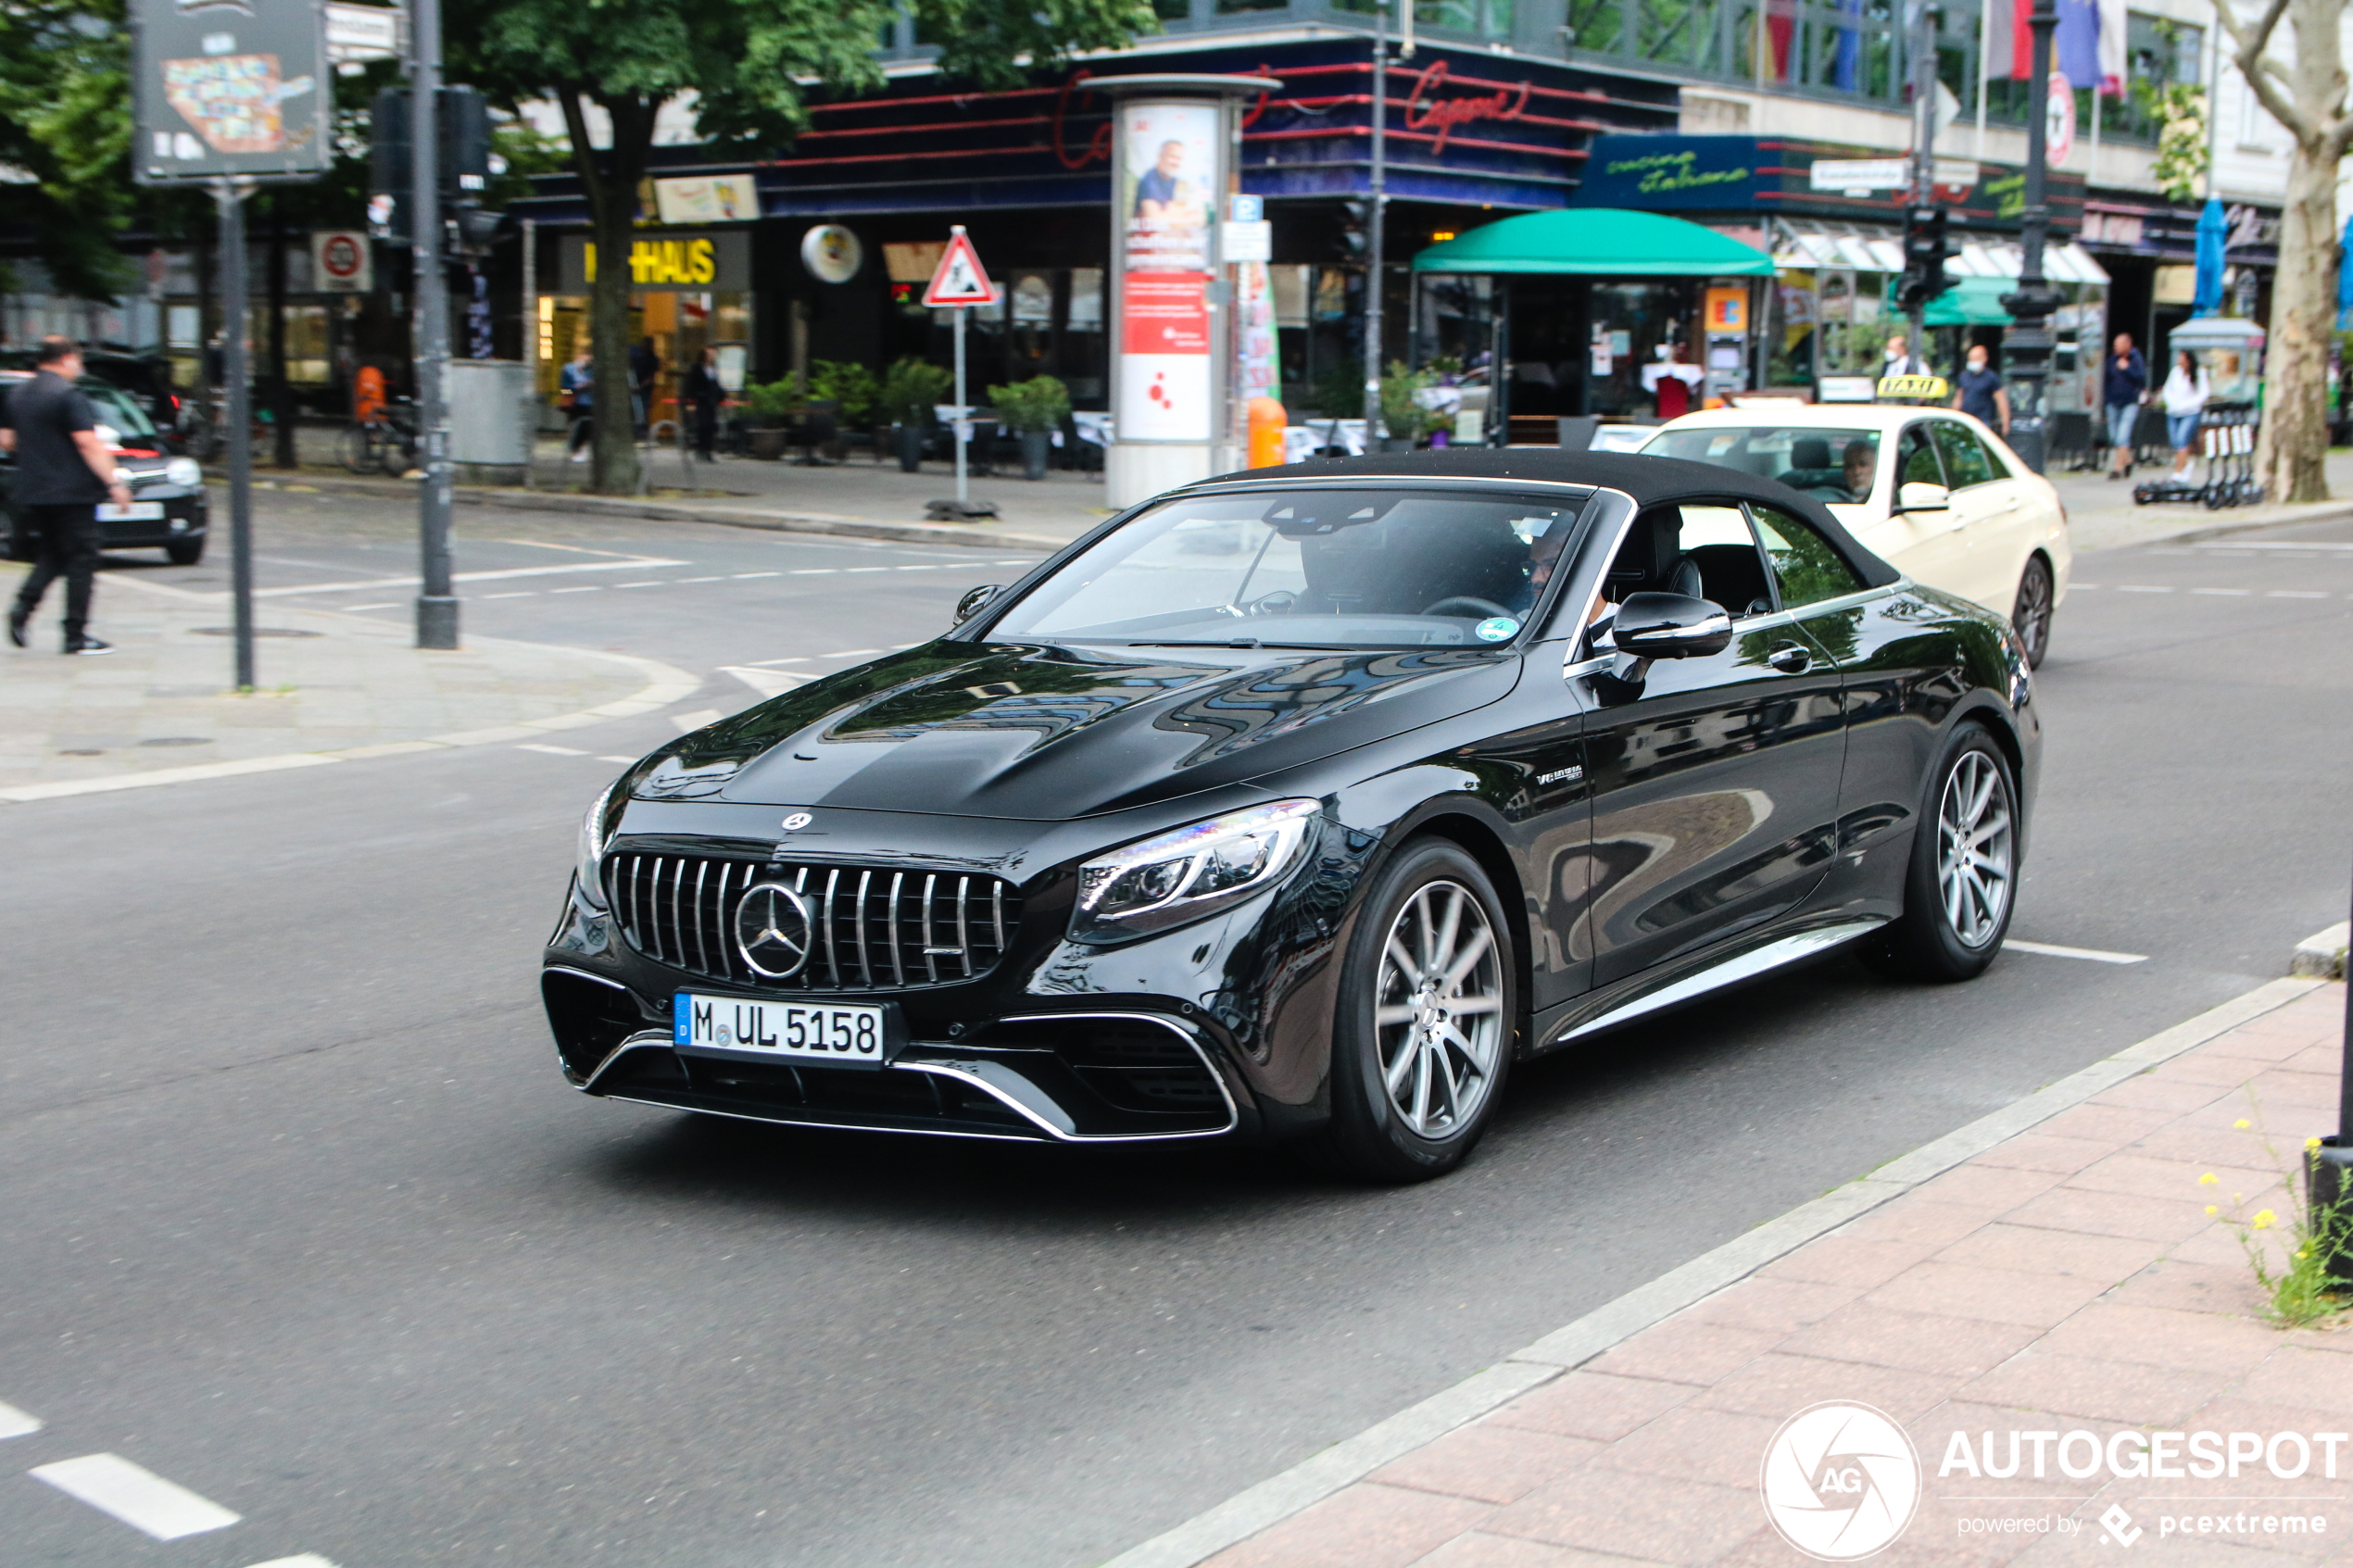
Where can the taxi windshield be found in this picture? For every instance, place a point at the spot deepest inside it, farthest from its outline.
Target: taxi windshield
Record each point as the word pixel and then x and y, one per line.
pixel 1839 466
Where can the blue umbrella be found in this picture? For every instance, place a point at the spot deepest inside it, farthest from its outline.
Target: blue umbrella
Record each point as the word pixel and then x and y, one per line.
pixel 2345 281
pixel 2207 297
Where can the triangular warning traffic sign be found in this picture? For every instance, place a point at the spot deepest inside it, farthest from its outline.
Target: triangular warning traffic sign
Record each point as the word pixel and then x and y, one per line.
pixel 959 278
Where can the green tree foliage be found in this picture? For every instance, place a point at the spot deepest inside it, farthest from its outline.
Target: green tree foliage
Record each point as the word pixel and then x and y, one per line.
pixel 749 67
pixel 65 134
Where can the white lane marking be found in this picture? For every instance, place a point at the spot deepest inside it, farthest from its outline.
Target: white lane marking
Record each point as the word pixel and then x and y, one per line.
pixel 795 659
pixel 696 720
pixel 583 588
pixel 388 604
pixel 2051 950
pixel 2224 593
pixel 138 1496
pixel 2294 593
pixel 2278 544
pixel 575 550
pixel 635 563
pixel 767 683
pixel 551 750
pixel 2128 588
pixel 721 577
pixel 165 776
pixel 857 653
pixel 14 1422
pixel 813 571
pixel 648 582
pixel 739 576
pixel 624 760
pixel 519 594
pixel 853 570
pixel 307 1559
pixel 1017 561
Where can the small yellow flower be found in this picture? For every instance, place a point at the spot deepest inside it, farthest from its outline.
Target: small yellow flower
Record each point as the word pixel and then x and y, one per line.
pixel 2263 1220
pixel 2311 1143
pixel 2209 1179
pixel 2242 1122
pixel 2212 1210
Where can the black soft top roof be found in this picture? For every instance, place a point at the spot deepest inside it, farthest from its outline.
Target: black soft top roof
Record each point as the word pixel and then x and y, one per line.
pixel 1650 481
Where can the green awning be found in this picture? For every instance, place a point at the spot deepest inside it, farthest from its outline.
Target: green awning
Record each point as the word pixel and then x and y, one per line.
pixel 1597 240
pixel 1971 302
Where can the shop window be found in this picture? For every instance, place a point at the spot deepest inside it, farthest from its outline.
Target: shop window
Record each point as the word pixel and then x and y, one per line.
pixel 1228 7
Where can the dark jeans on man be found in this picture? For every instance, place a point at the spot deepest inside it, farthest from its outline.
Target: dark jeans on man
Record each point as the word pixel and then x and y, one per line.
pixel 65 541
pixel 706 431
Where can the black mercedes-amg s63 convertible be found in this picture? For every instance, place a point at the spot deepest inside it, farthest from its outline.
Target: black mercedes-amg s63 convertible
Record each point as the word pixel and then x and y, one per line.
pixel 1301 804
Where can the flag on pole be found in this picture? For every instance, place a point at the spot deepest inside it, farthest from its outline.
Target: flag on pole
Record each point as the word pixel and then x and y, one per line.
pixel 2076 45
pixel 2114 65
pixel 2001 42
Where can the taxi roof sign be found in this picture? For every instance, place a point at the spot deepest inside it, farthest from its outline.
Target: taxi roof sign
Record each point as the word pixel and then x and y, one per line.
pixel 1934 389
pixel 959 279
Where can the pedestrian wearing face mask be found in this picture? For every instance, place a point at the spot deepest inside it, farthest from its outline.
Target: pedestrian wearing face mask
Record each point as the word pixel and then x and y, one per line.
pixel 1979 392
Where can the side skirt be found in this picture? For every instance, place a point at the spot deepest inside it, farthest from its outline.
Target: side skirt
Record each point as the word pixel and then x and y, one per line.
pixel 1652 992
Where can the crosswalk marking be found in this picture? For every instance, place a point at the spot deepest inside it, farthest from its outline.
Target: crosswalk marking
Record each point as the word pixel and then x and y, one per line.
pixel 135 1495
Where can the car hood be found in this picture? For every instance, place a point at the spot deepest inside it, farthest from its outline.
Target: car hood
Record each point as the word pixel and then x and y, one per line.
pixel 1043 733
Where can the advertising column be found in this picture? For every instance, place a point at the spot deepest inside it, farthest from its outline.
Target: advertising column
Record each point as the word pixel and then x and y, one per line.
pixel 1167 185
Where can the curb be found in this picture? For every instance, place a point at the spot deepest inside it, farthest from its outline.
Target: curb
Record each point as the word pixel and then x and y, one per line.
pixel 1351 1459
pixel 2321 955
pixel 2325 512
pixel 664 684
pixel 676 511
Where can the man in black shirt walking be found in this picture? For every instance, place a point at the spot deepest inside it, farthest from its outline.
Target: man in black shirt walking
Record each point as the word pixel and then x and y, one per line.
pixel 63 472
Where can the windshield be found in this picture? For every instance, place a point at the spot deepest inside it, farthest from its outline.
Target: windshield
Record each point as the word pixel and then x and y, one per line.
pixel 1830 465
pixel 1346 569
pixel 116 407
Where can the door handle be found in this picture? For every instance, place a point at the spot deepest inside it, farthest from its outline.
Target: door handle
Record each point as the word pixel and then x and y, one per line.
pixel 1790 659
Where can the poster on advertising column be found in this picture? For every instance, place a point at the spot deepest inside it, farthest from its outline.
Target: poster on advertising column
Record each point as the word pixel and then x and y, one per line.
pixel 1170 180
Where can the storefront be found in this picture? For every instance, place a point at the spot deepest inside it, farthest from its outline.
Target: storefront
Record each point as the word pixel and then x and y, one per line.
pixel 1471 136
pixel 1838 252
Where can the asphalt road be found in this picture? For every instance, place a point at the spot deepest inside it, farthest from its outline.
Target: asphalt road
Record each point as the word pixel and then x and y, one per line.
pixel 296 1213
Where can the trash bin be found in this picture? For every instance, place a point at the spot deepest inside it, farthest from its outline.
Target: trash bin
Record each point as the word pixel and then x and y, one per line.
pixel 494 417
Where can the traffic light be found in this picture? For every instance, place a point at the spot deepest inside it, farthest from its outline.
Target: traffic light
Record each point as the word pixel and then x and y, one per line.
pixel 1924 253
pixel 464 127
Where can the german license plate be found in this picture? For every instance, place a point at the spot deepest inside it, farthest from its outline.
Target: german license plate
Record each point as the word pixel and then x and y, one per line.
pixel 833 1035
pixel 134 511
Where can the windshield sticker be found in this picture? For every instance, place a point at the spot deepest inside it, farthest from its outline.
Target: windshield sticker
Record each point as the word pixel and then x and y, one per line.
pixel 1495 628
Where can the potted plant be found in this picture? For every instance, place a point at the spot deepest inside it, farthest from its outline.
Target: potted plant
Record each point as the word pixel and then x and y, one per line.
pixel 1402 415
pixel 1035 408
pixel 911 389
pixel 854 391
pixel 769 405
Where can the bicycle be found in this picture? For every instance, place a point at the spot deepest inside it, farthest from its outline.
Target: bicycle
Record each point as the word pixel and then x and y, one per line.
pixel 384 440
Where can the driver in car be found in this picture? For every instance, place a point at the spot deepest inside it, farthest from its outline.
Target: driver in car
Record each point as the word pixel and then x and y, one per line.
pixel 1862 457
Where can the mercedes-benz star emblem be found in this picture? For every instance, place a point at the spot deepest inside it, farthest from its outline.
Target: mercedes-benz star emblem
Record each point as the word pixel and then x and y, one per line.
pixel 772 930
pixel 798 820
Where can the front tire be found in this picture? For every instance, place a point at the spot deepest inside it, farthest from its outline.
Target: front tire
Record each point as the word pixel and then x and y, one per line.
pixel 185 554
pixel 1962 881
pixel 2031 613
pixel 1427 1019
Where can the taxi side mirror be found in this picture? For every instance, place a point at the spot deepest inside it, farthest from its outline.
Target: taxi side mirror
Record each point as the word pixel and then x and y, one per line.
pixel 1921 496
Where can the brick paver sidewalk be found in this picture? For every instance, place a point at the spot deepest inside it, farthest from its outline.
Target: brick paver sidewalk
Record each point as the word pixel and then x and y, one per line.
pixel 2068 1279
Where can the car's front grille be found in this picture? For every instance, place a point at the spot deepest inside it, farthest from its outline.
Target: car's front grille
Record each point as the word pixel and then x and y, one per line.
pixel 871 928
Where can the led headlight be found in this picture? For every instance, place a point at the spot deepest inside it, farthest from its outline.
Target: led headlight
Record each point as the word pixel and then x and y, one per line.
pixel 587 873
pixel 185 472
pixel 1190 872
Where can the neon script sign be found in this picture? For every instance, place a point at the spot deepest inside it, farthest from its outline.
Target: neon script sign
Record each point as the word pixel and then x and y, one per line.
pixel 1447 113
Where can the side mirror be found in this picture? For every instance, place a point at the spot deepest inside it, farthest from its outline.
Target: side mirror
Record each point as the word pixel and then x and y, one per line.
pixel 975 599
pixel 1922 496
pixel 1670 626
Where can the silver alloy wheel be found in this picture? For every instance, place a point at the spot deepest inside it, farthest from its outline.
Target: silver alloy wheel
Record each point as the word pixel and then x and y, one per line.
pixel 1438 1010
pixel 2032 615
pixel 1973 848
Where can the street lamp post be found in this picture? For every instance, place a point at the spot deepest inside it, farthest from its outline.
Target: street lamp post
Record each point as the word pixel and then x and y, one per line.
pixel 1377 219
pixel 2027 347
pixel 2328 1171
pixel 436 602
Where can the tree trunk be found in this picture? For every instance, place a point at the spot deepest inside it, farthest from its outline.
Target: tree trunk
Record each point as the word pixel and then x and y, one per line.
pixel 611 189
pixel 2293 459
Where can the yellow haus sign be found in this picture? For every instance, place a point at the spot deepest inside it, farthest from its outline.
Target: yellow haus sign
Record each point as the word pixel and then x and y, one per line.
pixel 666 262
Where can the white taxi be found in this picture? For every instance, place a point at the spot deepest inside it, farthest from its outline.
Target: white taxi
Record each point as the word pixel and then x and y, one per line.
pixel 1930 491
